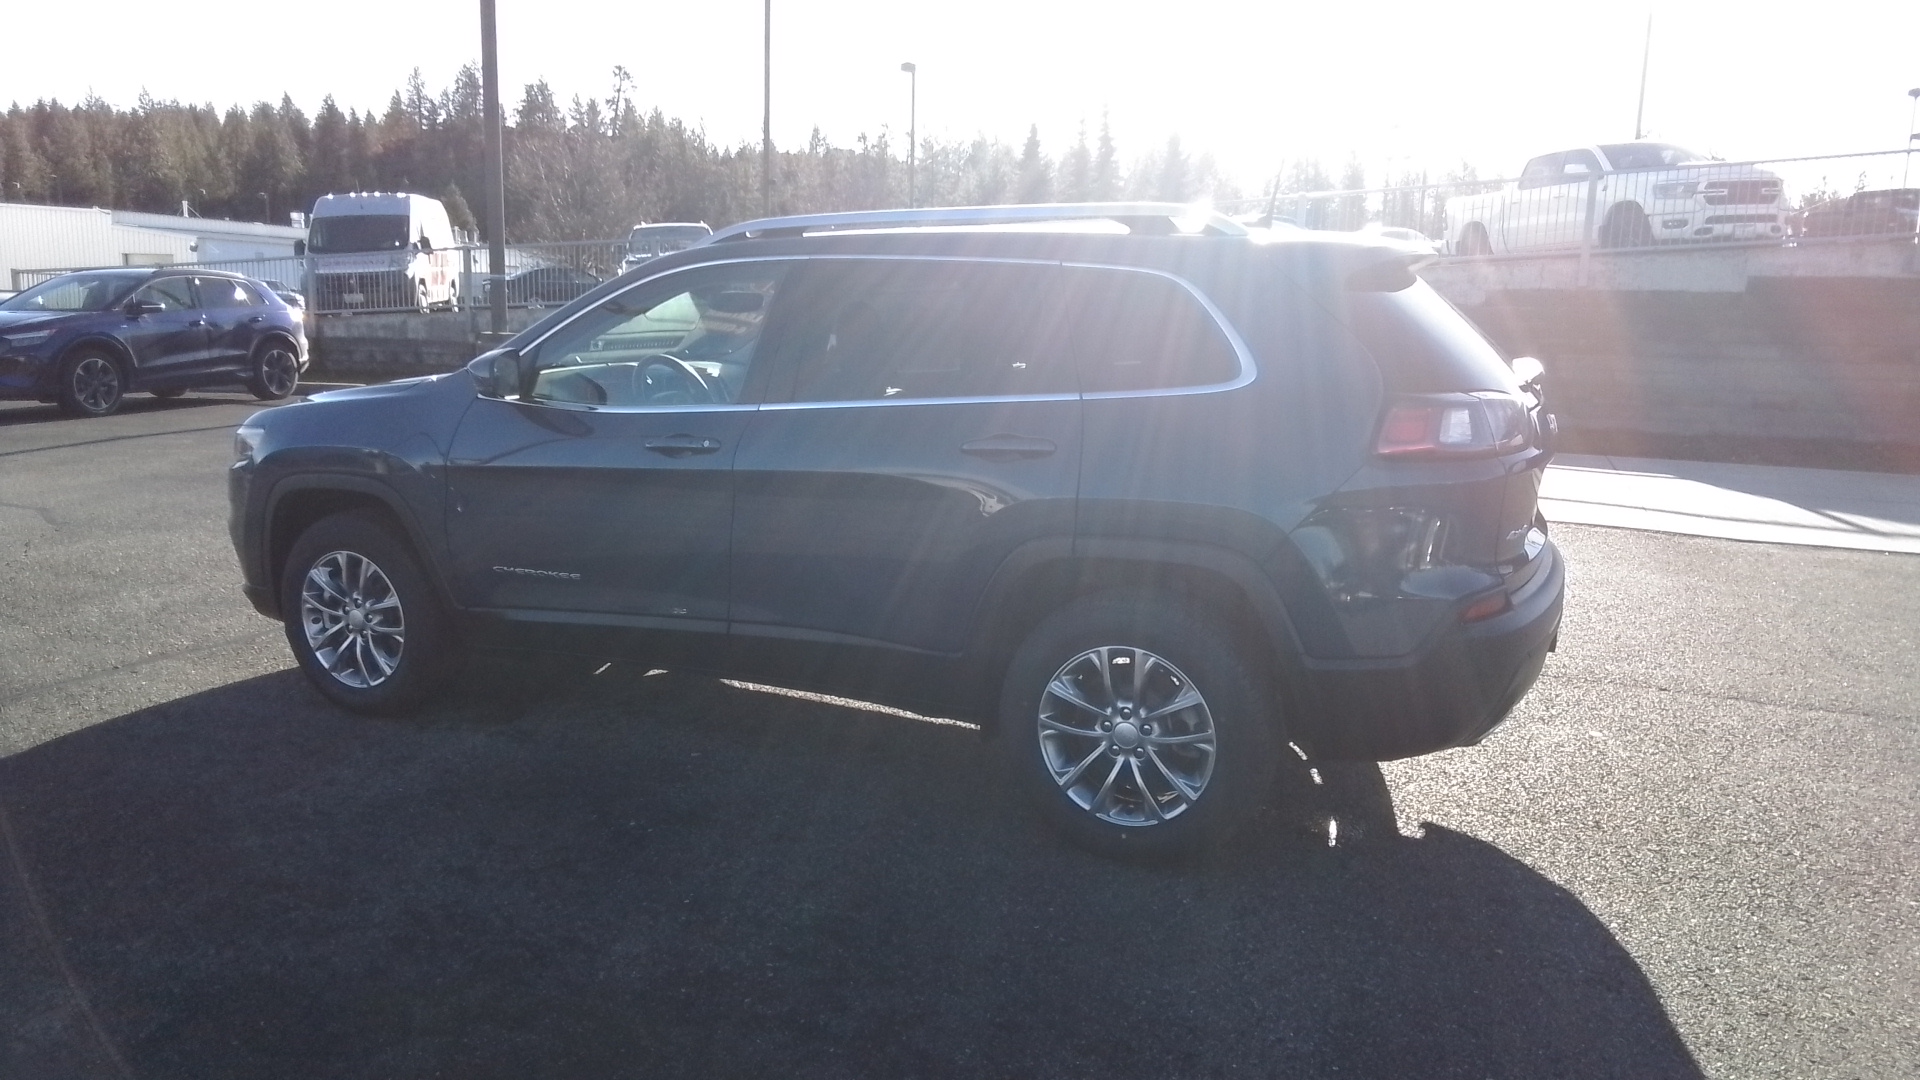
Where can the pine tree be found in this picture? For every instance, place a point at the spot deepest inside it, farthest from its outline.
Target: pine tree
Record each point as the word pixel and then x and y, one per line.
pixel 1036 172
pixel 1106 167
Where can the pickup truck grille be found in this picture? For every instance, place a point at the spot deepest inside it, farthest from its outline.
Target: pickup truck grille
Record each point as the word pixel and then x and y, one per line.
pixel 1740 192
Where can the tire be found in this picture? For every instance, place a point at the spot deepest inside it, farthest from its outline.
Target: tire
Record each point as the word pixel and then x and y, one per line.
pixel 421 299
pixel 1626 227
pixel 1474 240
pixel 91 384
pixel 399 651
pixel 276 370
pixel 169 393
pixel 1083 755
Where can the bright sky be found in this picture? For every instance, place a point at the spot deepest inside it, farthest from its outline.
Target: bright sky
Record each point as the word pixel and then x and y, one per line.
pixel 1403 85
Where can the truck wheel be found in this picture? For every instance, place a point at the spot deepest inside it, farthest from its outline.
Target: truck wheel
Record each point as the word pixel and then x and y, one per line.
pixel 1137 726
pixel 1626 226
pixel 1474 240
pixel 421 300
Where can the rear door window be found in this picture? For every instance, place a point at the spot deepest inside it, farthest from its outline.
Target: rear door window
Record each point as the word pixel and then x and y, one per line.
pixel 899 329
pixel 227 293
pixel 1134 330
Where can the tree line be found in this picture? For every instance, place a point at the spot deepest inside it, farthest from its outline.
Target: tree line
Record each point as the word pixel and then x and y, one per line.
pixel 588 169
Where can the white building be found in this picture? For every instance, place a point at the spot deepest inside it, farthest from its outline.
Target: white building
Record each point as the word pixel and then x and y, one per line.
pixel 41 238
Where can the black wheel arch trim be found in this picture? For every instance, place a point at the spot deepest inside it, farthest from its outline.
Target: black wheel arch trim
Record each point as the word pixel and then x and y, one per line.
pixel 345 483
pixel 988 649
pixel 129 367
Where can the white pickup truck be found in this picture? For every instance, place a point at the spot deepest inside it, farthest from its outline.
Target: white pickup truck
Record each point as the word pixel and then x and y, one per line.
pixel 1618 195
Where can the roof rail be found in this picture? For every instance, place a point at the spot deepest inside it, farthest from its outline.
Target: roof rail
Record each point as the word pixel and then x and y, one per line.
pixel 1151 218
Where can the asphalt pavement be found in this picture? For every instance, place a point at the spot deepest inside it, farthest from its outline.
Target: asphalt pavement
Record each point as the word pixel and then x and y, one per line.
pixel 1691 851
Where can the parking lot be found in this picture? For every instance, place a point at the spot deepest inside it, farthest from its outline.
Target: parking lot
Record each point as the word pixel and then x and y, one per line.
pixel 1691 851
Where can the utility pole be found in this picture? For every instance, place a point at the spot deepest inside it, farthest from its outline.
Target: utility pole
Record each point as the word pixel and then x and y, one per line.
pixel 496 171
pixel 766 119
pixel 913 135
pixel 1646 53
pixel 1912 110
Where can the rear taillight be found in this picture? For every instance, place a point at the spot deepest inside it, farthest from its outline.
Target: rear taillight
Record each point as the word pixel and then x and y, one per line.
pixel 1458 425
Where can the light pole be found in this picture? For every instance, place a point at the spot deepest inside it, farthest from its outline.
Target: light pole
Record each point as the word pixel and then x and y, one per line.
pixel 496 174
pixel 266 207
pixel 913 135
pixel 1912 110
pixel 766 118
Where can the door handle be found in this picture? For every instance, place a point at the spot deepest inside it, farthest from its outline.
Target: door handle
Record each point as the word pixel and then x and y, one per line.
pixel 679 446
pixel 257 318
pixel 1009 447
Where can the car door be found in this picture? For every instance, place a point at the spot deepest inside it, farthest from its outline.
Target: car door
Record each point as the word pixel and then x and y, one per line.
pixel 235 315
pixel 1565 213
pixel 171 344
pixel 1532 197
pixel 922 423
pixel 602 492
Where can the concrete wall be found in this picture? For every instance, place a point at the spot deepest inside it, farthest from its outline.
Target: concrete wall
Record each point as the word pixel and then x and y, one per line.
pixel 372 348
pixel 1826 364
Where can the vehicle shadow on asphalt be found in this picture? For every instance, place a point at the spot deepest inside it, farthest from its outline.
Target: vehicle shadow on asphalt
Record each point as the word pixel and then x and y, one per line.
pixel 666 875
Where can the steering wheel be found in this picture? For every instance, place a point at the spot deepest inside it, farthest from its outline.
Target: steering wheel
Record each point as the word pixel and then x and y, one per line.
pixel 665 379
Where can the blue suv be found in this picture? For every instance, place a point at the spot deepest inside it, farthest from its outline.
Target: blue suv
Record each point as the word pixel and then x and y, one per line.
pixel 1144 493
pixel 85 340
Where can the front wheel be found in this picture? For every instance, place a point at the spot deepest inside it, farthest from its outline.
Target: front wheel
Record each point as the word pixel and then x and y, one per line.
pixel 1626 227
pixel 91 385
pixel 362 617
pixel 1137 726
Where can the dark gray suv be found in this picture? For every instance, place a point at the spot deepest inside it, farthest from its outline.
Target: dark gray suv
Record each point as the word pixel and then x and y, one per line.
pixel 1148 496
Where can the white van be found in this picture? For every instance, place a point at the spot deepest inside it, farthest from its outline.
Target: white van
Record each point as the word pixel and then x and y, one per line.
pixel 381 251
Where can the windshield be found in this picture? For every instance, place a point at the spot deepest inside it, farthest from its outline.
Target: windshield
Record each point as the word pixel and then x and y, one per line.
pixel 75 292
pixel 358 232
pixel 1627 156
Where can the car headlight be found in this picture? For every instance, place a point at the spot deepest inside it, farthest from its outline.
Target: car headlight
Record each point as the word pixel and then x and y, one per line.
pixel 246 443
pixel 27 341
pixel 1682 189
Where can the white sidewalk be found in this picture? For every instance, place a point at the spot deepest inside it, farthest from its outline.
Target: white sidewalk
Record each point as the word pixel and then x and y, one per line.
pixel 1770 504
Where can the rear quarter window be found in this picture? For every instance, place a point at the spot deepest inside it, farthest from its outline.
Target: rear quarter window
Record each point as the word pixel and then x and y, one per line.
pixel 1422 344
pixel 1132 330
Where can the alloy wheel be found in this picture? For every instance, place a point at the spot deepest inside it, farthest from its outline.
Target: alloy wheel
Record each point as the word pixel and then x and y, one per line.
pixel 96 384
pixel 279 370
pixel 1126 736
pixel 353 620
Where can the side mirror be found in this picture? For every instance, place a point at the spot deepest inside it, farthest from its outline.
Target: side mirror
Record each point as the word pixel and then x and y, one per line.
pixel 299 249
pixel 497 374
pixel 137 308
pixel 1530 371
pixel 426 245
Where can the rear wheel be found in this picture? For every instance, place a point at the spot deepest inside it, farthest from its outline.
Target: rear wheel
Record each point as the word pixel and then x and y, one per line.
pixel 1474 240
pixel 91 384
pixel 362 618
pixel 1137 726
pixel 276 370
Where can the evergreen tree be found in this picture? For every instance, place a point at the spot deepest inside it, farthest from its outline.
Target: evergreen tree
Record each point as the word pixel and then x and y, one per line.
pixel 1106 167
pixel 1036 172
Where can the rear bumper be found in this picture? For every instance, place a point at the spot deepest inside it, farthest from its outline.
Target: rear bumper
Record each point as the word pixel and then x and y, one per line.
pixel 1452 693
